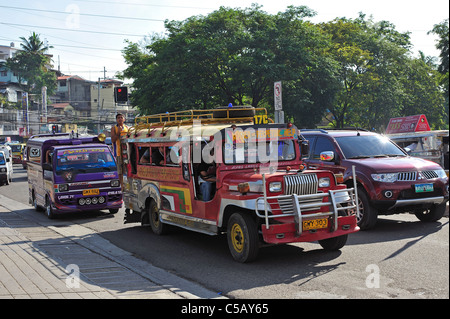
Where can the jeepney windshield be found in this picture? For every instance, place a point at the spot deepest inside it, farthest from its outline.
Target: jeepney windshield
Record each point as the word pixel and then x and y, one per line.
pixel 259 152
pixel 84 160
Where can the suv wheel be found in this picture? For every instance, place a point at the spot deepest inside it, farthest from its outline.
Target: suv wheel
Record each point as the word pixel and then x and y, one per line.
pixel 432 214
pixel 368 215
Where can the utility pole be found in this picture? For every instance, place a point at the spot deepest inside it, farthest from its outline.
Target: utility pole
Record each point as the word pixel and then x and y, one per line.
pixel 98 107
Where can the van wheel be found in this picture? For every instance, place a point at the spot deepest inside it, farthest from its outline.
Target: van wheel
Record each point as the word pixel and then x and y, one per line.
pixel 368 215
pixel 48 209
pixel 432 214
pixel 155 223
pixel 242 236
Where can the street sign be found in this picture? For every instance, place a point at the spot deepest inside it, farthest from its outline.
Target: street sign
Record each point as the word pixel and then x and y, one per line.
pixel 277 93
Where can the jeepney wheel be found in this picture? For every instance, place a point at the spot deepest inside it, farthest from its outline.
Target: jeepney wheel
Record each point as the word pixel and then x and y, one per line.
pixel 113 211
pixel 35 204
pixel 48 209
pixel 153 215
pixel 434 213
pixel 334 243
pixel 242 235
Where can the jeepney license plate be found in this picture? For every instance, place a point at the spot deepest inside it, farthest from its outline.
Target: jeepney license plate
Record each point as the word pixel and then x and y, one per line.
pixel 422 188
pixel 88 192
pixel 315 224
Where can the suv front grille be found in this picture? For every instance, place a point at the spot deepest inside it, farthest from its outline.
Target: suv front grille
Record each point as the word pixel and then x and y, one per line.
pixel 301 184
pixel 429 174
pixel 407 177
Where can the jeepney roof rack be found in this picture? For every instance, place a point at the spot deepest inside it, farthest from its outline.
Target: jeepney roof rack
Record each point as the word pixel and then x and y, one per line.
pixel 222 115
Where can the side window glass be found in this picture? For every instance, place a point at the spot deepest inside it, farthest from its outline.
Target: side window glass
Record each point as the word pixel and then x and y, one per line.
pixel 323 144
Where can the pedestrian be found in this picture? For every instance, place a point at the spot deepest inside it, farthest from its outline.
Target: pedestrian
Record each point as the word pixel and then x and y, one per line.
pixel 117 131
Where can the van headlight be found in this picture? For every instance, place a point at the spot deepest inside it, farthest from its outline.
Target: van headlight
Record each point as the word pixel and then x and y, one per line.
pixel 275 187
pixel 324 182
pixel 385 178
pixel 115 183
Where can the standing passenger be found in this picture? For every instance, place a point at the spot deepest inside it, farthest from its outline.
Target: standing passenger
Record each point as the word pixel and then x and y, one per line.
pixel 117 131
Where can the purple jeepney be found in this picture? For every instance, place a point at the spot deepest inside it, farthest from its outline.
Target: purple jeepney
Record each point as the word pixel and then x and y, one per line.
pixel 68 173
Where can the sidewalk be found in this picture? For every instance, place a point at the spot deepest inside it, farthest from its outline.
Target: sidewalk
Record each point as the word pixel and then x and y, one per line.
pixel 73 262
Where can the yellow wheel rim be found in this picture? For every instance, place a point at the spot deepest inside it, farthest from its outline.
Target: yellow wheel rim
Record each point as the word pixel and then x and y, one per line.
pixel 237 238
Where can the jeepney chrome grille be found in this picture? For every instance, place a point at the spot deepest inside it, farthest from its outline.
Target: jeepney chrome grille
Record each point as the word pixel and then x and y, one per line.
pixel 407 177
pixel 429 174
pixel 301 184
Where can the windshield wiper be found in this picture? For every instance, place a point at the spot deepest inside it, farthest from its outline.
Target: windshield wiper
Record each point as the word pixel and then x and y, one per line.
pixel 360 156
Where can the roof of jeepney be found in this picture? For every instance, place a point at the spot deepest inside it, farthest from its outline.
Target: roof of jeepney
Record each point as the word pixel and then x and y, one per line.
pixel 174 126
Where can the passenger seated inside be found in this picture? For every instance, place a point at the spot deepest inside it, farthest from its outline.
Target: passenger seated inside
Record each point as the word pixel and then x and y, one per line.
pixel 207 180
pixel 157 156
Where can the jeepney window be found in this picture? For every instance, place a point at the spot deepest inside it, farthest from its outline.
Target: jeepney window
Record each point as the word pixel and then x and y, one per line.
pixel 2 160
pixel 159 155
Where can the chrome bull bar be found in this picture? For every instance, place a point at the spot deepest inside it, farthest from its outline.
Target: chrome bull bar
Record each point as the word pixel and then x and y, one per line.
pixel 343 200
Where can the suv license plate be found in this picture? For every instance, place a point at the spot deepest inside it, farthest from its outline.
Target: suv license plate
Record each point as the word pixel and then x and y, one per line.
pixel 315 224
pixel 88 192
pixel 422 188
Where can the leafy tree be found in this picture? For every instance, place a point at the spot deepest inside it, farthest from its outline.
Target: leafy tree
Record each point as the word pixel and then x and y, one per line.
pixel 234 56
pixel 33 66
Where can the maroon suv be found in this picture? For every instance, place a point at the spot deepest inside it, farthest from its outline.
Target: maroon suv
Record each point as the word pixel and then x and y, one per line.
pixel 389 181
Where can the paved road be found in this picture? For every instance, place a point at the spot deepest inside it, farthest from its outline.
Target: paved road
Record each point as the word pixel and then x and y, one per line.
pixel 400 258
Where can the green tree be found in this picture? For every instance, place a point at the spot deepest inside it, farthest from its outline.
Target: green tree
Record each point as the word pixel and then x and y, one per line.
pixel 441 30
pixel 234 56
pixel 33 66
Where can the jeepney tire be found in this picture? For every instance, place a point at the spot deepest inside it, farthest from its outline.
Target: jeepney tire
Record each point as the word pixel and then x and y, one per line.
pixel 113 211
pixel 434 213
pixel 368 214
pixel 242 237
pixel 48 209
pixel 334 243
pixel 157 226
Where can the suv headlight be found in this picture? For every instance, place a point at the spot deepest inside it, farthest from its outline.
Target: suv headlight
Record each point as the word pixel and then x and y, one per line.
pixel 385 178
pixel 441 173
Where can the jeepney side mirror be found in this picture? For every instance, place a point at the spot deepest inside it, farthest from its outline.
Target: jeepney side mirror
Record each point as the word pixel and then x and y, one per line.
pixel 304 148
pixel 47 167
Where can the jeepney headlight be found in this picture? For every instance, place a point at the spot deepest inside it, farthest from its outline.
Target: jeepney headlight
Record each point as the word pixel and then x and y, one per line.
pixel 324 182
pixel 115 183
pixel 63 187
pixel 275 187
pixel 2 170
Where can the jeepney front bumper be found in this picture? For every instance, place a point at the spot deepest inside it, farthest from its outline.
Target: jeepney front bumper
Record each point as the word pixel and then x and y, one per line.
pixel 302 218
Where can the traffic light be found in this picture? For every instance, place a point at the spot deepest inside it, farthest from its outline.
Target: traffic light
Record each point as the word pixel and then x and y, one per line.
pixel 121 94
pixel 55 128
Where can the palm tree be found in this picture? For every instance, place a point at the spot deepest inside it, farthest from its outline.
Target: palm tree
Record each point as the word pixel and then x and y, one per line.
pixel 34 44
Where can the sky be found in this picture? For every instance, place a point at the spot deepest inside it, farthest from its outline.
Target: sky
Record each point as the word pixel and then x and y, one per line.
pixel 88 35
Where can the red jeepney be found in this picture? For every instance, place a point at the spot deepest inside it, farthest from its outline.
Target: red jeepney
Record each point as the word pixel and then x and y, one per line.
pixel 256 190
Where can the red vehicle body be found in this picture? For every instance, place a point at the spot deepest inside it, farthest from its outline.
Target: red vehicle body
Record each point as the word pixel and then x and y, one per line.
pixel 389 180
pixel 254 200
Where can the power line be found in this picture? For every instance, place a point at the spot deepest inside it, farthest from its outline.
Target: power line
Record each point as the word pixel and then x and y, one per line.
pixel 73 30
pixel 148 5
pixel 84 14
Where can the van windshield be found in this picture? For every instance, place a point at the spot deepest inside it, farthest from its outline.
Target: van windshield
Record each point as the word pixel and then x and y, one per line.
pixel 84 160
pixel 2 160
pixel 366 146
